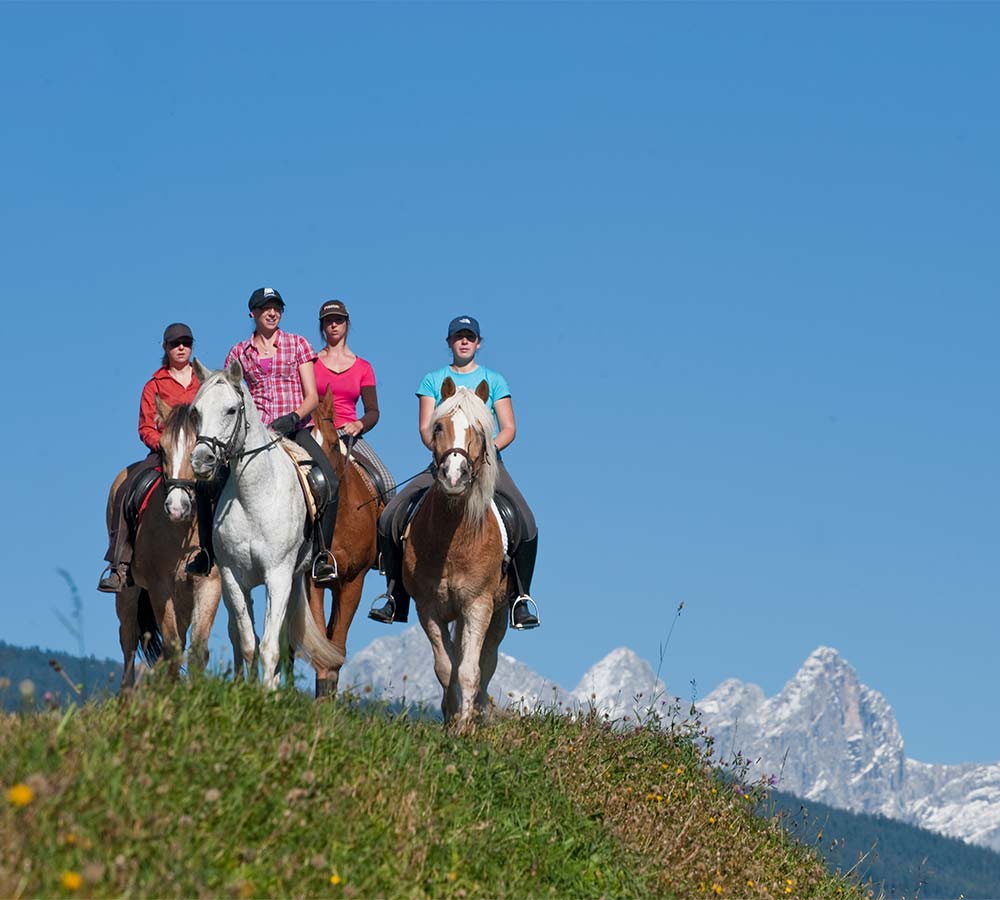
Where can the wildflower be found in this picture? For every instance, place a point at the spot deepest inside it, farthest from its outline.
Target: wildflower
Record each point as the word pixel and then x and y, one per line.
pixel 27 689
pixel 715 790
pixel 452 876
pixel 450 769
pixel 717 888
pixel 334 878
pixel 680 770
pixel 212 795
pixel 711 820
pixel 71 881
pixel 664 766
pixel 749 882
pixel 20 795
pixel 70 838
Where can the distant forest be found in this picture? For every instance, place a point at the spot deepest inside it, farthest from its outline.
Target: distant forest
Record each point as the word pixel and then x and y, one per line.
pixel 901 860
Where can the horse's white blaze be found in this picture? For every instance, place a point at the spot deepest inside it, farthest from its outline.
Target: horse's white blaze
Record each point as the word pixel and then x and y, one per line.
pixel 455 465
pixel 177 503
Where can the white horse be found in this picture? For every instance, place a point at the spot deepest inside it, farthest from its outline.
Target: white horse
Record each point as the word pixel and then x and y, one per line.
pixel 260 525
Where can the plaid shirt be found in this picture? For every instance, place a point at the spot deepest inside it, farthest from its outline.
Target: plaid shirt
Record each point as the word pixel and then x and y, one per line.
pixel 278 392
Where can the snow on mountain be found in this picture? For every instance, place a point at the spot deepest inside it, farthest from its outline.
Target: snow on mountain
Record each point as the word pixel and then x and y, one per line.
pixel 825 735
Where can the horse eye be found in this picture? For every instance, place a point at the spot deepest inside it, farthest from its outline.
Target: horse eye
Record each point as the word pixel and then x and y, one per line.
pixel 438 428
pixel 231 411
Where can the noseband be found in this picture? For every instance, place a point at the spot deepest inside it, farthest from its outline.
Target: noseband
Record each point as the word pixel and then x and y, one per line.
pixel 474 464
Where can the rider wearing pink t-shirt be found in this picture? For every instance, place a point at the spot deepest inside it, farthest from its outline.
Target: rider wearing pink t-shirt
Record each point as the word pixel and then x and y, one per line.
pixel 349 378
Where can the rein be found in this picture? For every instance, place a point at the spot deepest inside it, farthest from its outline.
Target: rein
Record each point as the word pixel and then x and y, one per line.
pixel 226 451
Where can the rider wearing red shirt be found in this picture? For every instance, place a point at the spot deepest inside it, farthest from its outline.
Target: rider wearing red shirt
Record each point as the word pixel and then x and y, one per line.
pixel 175 383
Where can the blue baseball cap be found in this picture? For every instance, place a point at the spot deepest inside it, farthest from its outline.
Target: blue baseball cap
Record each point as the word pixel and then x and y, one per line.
pixel 464 323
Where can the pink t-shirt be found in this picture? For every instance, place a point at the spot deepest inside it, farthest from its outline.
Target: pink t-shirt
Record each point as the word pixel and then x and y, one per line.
pixel 346 387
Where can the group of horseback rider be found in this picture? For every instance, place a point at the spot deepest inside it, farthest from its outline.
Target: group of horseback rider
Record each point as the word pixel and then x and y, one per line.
pixel 285 377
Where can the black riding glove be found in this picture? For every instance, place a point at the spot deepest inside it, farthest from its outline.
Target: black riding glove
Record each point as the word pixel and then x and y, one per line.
pixel 286 425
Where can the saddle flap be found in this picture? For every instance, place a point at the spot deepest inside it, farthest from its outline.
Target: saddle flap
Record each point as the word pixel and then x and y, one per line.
pixel 138 496
pixel 510 519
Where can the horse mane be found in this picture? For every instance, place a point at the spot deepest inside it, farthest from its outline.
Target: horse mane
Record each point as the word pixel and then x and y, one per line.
pixel 181 419
pixel 481 491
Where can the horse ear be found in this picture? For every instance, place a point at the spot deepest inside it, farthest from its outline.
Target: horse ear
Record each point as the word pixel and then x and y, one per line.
pixel 163 410
pixel 483 391
pixel 199 370
pixel 234 374
pixel 447 388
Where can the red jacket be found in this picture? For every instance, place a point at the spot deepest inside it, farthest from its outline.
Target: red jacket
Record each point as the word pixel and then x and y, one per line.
pixel 171 392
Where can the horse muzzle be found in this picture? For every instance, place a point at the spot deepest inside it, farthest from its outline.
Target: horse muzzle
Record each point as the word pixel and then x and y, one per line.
pixel 178 505
pixel 204 462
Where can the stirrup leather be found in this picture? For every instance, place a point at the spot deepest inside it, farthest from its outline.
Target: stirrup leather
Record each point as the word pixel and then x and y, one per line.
pixel 532 607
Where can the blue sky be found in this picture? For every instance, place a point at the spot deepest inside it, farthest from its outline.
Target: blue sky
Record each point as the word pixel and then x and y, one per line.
pixel 737 262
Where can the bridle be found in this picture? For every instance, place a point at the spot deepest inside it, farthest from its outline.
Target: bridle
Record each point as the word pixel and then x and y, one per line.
pixel 226 451
pixel 475 465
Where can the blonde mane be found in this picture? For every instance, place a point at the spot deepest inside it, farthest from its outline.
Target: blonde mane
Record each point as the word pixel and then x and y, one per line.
pixel 481 491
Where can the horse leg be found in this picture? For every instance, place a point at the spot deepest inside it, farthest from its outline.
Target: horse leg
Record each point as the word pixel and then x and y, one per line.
pixel 241 631
pixel 206 605
pixel 341 615
pixel 128 633
pixel 326 679
pixel 444 658
pixel 279 588
pixel 488 657
pixel 472 634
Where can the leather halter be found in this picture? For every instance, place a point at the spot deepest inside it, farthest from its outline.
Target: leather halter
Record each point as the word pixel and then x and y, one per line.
pixel 474 464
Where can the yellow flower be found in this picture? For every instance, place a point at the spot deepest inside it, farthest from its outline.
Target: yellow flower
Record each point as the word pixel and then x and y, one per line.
pixel 71 881
pixel 452 876
pixel 717 888
pixel 788 890
pixel 749 882
pixel 715 790
pixel 71 838
pixel 711 820
pixel 664 766
pixel 334 878
pixel 20 795
pixel 680 770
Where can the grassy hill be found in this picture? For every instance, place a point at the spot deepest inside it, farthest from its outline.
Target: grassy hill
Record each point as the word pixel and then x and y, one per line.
pixel 205 787
pixel 92 677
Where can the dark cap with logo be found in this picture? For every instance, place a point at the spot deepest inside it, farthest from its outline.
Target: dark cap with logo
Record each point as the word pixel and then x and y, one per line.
pixel 464 323
pixel 176 331
pixel 333 308
pixel 264 296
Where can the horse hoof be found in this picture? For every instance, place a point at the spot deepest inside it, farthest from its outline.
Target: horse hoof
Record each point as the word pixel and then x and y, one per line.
pixel 325 687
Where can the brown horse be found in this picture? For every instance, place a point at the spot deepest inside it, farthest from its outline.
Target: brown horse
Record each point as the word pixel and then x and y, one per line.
pixel 453 559
pixel 166 537
pixel 354 545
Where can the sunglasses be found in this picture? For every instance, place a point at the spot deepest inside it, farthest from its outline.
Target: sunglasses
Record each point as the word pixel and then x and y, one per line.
pixel 333 320
pixel 181 342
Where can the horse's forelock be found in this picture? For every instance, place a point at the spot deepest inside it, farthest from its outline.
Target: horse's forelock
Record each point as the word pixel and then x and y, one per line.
pixel 481 419
pixel 181 420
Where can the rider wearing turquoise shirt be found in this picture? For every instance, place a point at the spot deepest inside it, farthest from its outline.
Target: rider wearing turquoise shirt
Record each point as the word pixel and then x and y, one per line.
pixel 464 340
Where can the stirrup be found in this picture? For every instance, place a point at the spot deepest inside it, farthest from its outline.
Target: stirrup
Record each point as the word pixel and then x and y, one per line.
pixel 104 583
pixel 529 605
pixel 378 615
pixel 331 560
pixel 199 564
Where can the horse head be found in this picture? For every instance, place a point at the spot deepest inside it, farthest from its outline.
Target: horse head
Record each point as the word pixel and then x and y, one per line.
pixel 221 410
pixel 462 438
pixel 325 431
pixel 176 441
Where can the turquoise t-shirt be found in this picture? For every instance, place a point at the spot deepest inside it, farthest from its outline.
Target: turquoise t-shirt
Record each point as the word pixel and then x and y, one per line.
pixel 430 385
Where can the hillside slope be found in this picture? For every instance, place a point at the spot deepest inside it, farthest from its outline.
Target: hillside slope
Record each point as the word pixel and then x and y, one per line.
pixel 207 787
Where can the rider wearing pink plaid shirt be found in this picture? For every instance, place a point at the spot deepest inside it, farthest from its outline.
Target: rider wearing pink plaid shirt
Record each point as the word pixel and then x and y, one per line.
pixel 278 370
pixel 274 381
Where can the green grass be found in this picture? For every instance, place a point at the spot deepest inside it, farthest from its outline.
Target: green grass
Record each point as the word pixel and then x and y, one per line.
pixel 208 788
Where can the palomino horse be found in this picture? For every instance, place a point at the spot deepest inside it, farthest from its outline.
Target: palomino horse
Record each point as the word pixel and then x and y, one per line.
pixel 166 537
pixel 453 560
pixel 260 526
pixel 354 546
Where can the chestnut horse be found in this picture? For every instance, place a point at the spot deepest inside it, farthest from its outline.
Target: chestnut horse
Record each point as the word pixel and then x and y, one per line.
pixel 453 559
pixel 354 545
pixel 166 537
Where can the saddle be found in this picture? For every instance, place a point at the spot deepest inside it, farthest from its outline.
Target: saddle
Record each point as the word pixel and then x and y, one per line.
pixel 304 466
pixel 510 521
pixel 137 496
pixel 373 475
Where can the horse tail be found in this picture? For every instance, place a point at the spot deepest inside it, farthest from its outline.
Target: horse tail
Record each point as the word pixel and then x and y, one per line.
pixel 306 636
pixel 150 636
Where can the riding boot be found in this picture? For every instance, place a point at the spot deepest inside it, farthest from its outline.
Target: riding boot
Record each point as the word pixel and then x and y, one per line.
pixel 115 576
pixel 324 568
pixel 201 563
pixel 522 618
pixel 397 602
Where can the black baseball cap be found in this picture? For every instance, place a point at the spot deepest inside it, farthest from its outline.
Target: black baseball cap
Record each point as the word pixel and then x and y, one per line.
pixel 176 331
pixel 263 296
pixel 464 323
pixel 333 308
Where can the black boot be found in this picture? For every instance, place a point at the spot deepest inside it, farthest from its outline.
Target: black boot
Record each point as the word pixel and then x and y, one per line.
pixel 397 602
pixel 524 610
pixel 201 563
pixel 324 567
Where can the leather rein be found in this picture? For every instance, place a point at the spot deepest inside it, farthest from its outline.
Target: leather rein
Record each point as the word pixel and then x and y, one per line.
pixel 225 451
